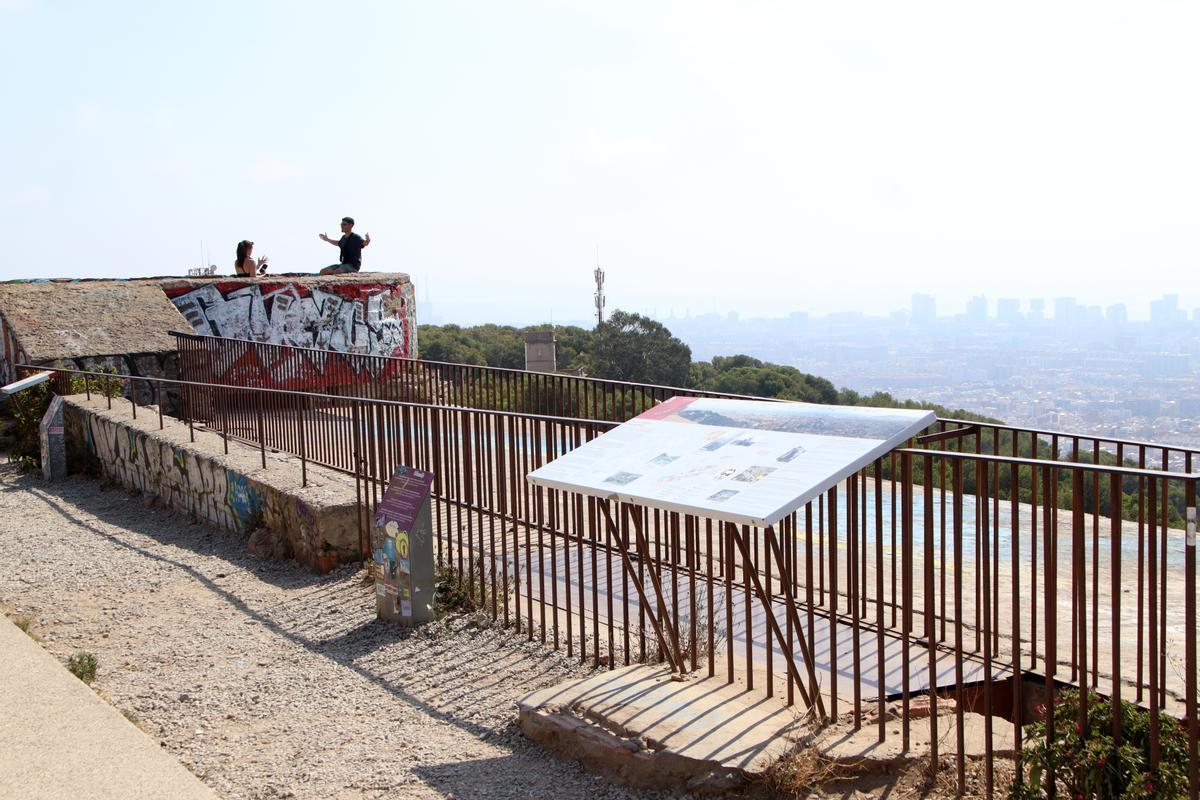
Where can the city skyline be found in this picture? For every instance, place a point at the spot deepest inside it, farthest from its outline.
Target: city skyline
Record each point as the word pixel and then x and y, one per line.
pixel 1163 309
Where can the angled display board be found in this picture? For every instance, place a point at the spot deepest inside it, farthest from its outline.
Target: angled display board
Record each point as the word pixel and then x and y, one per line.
pixel 750 462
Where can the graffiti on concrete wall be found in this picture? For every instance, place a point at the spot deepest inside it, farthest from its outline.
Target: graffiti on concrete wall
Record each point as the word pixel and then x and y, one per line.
pixel 243 500
pixel 374 318
pixel 180 480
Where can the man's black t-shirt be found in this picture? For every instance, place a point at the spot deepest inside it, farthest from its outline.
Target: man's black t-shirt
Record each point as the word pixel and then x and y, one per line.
pixel 351 245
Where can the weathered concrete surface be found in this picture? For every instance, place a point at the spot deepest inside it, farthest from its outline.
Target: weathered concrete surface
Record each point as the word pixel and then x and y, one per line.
pixel 100 325
pixel 71 319
pixel 58 739
pixel 637 727
pixel 315 524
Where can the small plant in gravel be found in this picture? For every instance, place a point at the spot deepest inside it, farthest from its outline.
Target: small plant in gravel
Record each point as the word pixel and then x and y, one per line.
pixel 26 625
pixel 456 593
pixel 83 666
pixel 1087 762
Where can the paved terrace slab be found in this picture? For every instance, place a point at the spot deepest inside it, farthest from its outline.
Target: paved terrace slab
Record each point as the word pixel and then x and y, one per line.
pixel 640 728
pixel 58 739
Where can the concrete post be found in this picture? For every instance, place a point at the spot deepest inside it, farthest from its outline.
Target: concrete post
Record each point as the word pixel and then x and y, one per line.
pixel 54 448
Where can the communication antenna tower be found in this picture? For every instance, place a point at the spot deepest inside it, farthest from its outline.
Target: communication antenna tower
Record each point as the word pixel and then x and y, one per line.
pixel 599 290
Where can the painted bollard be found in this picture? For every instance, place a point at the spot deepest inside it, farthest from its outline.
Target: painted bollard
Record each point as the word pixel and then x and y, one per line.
pixel 403 549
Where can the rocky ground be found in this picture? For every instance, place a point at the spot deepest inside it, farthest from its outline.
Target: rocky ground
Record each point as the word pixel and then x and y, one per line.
pixel 263 679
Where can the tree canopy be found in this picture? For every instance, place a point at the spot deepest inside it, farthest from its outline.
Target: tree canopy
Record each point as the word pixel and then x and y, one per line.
pixel 744 374
pixel 630 347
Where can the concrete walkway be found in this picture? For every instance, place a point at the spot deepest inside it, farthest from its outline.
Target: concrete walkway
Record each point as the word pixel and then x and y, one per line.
pixel 58 739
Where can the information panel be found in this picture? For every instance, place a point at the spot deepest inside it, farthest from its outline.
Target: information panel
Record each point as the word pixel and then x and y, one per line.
pixel 749 462
pixel 404 548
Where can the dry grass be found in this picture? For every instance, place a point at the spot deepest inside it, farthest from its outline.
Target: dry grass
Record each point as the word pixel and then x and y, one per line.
pixel 655 654
pixel 806 773
pixel 806 770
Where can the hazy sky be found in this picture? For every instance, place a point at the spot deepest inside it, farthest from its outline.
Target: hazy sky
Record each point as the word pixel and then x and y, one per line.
pixel 763 157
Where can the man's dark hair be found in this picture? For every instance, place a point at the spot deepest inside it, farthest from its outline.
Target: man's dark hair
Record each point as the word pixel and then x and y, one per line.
pixel 348 220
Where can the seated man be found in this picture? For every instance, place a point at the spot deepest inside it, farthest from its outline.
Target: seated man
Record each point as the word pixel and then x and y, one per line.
pixel 350 247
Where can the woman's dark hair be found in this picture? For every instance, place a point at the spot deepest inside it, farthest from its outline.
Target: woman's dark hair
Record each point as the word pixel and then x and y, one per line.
pixel 242 247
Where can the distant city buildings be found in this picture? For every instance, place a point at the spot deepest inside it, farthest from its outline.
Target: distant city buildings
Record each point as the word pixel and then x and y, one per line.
pixel 924 309
pixel 1087 369
pixel 977 310
pixel 1008 310
pixel 1166 311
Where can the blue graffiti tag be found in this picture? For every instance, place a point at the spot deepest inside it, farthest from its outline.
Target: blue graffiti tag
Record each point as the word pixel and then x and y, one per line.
pixel 244 500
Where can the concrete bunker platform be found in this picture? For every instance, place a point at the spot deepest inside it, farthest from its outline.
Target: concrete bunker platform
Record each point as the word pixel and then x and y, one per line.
pixel 636 726
pixel 316 524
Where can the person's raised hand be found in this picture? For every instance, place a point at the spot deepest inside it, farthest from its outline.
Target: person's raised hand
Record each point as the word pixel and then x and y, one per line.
pixel 322 237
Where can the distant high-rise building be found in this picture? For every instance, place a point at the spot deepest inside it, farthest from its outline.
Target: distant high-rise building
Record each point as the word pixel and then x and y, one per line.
pixel 924 309
pixel 977 309
pixel 1066 310
pixel 1117 313
pixel 1037 309
pixel 1166 310
pixel 1008 310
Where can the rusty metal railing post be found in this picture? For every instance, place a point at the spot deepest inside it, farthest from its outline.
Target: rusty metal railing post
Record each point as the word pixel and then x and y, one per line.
pixel 1189 628
pixel 262 443
pixel 303 440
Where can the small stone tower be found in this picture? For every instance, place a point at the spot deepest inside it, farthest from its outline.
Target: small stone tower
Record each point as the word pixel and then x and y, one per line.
pixel 539 351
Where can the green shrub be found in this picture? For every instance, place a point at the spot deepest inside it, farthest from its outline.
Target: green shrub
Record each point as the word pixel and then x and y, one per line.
pixel 1088 763
pixel 83 666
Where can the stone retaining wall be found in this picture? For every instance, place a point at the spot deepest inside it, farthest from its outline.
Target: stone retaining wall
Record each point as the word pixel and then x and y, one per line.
pixel 316 524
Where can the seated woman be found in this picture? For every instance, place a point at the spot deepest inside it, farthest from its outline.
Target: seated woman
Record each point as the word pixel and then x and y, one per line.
pixel 245 264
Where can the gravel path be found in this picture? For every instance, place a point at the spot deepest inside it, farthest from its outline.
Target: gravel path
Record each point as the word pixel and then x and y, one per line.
pixel 264 680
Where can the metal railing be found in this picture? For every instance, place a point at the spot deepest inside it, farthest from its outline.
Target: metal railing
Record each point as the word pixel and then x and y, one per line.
pixel 212 359
pixel 984 565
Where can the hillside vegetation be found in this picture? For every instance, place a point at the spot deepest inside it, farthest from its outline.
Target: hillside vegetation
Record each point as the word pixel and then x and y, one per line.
pixel 630 347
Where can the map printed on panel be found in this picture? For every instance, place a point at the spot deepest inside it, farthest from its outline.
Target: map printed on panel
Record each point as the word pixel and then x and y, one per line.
pixel 745 461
